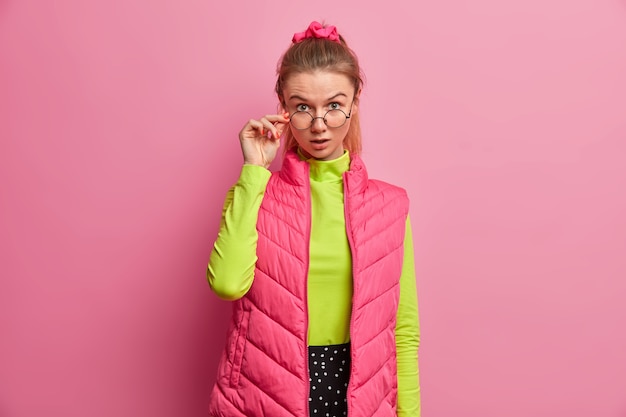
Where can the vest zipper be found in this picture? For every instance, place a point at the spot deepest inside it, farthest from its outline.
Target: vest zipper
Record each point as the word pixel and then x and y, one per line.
pixel 354 284
pixel 306 293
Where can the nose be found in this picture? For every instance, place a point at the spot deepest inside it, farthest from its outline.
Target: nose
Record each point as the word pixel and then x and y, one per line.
pixel 318 124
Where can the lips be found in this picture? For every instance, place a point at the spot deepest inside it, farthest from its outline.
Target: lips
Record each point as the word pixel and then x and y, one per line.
pixel 319 144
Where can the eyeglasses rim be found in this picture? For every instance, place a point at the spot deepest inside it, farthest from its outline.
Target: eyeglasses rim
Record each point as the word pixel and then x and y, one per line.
pixel 321 117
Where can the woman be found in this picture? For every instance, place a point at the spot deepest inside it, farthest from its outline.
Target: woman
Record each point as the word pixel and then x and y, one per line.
pixel 317 258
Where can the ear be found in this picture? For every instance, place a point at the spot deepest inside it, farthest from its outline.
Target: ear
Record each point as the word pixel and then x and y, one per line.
pixel 355 102
pixel 280 107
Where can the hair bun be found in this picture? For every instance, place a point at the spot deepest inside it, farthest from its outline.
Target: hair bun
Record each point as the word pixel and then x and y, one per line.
pixel 316 30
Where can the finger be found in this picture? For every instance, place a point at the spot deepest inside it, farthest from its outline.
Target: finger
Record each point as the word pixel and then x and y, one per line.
pixel 273 132
pixel 280 128
pixel 269 124
pixel 280 118
pixel 254 126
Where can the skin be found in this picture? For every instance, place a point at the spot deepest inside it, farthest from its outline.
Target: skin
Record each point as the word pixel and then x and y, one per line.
pixel 315 92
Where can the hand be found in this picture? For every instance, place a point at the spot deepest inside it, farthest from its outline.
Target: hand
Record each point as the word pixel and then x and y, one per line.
pixel 260 139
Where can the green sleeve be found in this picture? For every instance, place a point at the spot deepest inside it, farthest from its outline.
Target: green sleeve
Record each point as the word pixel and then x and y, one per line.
pixel 408 335
pixel 231 266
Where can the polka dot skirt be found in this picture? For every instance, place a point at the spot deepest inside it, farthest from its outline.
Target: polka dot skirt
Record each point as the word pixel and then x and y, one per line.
pixel 329 372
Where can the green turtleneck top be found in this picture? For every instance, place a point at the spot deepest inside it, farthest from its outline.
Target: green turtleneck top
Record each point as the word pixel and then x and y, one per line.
pixel 231 267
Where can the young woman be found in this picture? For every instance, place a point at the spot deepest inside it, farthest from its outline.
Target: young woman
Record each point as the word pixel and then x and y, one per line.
pixel 317 258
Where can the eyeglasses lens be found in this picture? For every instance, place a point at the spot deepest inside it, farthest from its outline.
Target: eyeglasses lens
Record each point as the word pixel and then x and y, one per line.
pixel 303 120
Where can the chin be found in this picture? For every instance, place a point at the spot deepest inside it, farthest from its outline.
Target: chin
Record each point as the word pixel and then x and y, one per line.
pixel 321 155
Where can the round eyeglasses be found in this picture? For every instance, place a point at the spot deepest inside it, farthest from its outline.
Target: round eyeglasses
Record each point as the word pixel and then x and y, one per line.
pixel 333 118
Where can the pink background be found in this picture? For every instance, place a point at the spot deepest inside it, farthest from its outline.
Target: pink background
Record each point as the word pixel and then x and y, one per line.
pixel 505 120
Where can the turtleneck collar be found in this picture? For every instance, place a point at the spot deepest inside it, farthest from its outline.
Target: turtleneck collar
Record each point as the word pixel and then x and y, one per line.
pixel 327 171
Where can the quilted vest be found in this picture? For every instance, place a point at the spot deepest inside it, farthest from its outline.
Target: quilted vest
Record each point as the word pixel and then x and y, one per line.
pixel 263 370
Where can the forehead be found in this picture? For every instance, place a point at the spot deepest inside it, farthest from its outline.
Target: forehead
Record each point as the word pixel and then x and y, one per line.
pixel 319 84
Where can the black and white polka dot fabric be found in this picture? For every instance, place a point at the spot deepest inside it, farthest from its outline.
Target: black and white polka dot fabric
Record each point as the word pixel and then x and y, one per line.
pixel 329 372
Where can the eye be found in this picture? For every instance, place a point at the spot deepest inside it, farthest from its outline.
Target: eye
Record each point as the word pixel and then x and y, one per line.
pixel 302 107
pixel 334 106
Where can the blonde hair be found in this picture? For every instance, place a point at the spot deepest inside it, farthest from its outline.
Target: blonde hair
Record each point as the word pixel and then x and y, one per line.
pixel 313 54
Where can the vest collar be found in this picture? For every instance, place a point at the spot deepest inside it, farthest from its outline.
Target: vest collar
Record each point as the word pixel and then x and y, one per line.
pixel 296 172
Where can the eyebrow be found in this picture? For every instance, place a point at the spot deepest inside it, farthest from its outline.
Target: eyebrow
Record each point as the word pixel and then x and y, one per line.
pixel 297 97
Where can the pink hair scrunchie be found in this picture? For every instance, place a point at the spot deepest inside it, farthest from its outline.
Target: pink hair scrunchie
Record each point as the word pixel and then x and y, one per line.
pixel 316 30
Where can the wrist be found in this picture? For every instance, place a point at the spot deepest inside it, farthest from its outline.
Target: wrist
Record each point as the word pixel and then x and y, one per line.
pixel 259 164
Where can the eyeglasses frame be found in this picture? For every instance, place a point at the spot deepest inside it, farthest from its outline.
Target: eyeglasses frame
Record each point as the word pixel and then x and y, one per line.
pixel 322 117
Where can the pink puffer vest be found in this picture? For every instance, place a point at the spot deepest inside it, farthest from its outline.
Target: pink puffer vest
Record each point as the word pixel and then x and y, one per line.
pixel 264 368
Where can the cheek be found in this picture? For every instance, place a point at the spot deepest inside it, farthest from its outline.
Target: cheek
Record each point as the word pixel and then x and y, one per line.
pixel 297 134
pixel 344 130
